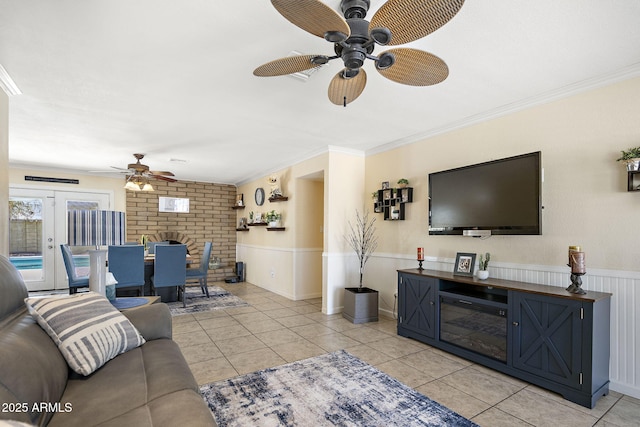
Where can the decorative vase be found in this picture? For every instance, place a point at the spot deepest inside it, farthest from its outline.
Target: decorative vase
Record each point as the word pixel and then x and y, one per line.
pixel 215 263
pixel 360 305
pixel 483 274
pixel 632 164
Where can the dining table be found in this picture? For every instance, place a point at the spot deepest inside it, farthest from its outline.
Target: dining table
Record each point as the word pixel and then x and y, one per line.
pixel 151 258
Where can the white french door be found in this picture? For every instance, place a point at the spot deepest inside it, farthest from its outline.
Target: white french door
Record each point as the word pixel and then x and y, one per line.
pixel 38 226
pixel 31 236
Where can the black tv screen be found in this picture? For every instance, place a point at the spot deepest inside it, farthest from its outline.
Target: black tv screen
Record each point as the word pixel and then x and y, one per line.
pixel 502 196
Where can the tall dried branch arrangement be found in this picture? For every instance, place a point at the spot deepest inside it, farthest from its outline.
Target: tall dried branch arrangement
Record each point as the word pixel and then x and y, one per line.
pixel 362 239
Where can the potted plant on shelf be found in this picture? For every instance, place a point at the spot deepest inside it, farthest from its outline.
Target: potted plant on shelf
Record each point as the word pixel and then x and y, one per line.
pixel 403 182
pixel 273 218
pixel 483 273
pixel 631 158
pixel 361 303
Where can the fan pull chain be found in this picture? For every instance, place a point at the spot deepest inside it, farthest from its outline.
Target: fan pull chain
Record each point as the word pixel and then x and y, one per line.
pixel 344 102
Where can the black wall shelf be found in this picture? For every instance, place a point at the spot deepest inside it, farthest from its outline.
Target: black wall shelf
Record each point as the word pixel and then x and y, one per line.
pixel 633 181
pixel 278 199
pixel 391 202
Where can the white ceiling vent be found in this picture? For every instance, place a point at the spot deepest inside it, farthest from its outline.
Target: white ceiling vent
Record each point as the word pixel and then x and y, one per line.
pixel 303 75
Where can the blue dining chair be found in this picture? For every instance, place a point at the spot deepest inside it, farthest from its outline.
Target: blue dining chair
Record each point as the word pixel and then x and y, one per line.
pixel 152 246
pixel 75 281
pixel 200 274
pixel 126 263
pixel 170 269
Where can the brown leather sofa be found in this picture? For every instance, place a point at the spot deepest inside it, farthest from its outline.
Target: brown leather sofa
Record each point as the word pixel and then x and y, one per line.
pixel 147 386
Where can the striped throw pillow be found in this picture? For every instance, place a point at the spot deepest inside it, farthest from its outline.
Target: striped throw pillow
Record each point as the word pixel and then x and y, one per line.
pixel 87 329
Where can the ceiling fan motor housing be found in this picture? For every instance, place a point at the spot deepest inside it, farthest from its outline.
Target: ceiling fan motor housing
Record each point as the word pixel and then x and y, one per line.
pixel 352 51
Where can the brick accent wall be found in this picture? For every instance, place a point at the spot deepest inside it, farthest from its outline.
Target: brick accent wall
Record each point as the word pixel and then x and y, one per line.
pixel 210 218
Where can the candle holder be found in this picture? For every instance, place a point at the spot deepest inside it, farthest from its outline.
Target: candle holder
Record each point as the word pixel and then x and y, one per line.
pixel 420 265
pixel 576 283
pixel 576 264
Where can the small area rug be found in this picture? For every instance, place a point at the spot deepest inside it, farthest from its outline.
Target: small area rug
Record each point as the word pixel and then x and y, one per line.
pixel 335 389
pixel 197 302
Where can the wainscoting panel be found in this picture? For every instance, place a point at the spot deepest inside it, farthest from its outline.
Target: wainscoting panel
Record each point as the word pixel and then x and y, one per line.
pixel 292 273
pixel 307 275
pixel 268 267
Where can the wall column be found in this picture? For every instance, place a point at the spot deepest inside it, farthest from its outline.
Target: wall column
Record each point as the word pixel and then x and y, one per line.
pixel 4 173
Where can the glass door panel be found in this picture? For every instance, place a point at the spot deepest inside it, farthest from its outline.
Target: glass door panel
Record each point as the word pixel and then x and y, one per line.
pixel 31 237
pixel 65 202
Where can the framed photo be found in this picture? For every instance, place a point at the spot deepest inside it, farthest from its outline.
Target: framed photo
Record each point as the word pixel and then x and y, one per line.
pixel 464 265
pixel 240 199
pixel 173 204
pixel 385 185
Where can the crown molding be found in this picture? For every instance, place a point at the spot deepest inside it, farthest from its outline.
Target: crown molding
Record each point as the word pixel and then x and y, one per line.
pixel 622 74
pixel 308 156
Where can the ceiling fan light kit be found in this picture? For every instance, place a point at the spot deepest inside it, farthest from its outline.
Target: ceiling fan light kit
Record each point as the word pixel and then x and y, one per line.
pixel 354 38
pixel 138 183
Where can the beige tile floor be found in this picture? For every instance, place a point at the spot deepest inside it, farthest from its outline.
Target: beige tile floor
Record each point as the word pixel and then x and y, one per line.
pixel 274 330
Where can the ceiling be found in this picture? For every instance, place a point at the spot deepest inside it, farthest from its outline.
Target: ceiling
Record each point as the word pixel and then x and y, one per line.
pixel 103 79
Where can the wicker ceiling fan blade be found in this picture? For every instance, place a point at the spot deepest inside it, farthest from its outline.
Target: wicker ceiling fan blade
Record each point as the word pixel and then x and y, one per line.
pixel 411 20
pixel 288 65
pixel 415 67
pixel 312 16
pixel 163 178
pixel 166 173
pixel 343 90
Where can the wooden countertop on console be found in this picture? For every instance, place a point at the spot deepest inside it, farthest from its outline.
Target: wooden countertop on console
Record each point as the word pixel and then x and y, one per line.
pixel 533 288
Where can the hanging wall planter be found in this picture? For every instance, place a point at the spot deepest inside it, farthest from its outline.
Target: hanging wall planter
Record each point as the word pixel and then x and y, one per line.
pixel 631 158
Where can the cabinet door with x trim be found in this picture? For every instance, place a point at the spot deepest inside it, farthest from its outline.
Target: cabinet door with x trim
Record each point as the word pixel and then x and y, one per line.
pixel 417 304
pixel 547 335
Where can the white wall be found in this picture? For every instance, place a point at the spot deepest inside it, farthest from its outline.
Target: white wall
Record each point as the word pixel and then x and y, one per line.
pixel 307 259
pixel 4 173
pixel 86 183
pixel 344 189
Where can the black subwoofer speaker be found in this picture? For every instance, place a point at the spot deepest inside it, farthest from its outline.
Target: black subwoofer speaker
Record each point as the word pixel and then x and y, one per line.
pixel 240 271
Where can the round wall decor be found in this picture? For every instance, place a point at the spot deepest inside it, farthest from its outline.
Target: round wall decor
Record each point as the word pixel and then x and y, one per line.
pixel 259 196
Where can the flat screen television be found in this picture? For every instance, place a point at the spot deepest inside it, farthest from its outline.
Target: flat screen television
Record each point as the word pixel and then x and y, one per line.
pixel 497 197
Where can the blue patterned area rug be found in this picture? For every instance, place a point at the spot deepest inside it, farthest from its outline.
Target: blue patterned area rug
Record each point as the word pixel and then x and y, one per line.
pixel 335 389
pixel 197 302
